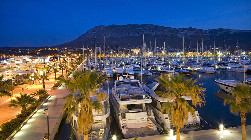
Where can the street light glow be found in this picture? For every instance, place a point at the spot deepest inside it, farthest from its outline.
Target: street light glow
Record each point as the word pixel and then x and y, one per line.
pixel 35 115
pixel 221 127
pixel 26 126
pixel 171 132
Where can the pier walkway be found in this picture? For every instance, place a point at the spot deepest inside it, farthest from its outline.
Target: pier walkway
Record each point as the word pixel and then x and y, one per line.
pixel 36 127
pixel 211 134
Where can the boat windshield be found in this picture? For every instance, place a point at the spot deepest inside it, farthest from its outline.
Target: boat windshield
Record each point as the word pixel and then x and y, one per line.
pixel 135 107
pixel 135 84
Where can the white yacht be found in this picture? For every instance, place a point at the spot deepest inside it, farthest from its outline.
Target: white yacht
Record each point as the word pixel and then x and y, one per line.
pixel 206 70
pixel 183 71
pixel 108 72
pixel 130 103
pixel 228 85
pixel 164 119
pixel 163 69
pixel 118 72
pixel 101 126
pixel 193 68
pixel 129 70
pixel 239 69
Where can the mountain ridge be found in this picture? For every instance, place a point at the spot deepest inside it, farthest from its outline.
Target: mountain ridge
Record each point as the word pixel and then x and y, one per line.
pixel 130 36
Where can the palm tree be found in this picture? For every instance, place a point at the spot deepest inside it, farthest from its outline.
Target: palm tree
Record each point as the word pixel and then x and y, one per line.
pixel 72 66
pixel 36 76
pixel 41 93
pixel 47 69
pixel 61 67
pixel 65 65
pixel 55 70
pixel 44 77
pixel 174 88
pixel 23 101
pixel 86 83
pixel 240 104
pixel 5 87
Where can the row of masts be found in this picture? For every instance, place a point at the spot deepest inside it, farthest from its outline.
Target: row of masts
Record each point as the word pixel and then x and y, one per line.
pixel 143 50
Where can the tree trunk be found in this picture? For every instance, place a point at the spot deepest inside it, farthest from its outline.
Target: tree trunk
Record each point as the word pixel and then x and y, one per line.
pixel 85 136
pixel 23 109
pixel 43 84
pixel 62 71
pixel 178 134
pixel 243 123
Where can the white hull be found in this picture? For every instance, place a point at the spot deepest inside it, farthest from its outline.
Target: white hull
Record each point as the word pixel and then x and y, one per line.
pixel 132 122
pixel 226 85
pixel 162 118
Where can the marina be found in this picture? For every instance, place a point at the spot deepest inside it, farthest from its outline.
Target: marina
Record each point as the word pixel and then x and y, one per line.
pixel 133 106
pixel 211 114
pixel 125 70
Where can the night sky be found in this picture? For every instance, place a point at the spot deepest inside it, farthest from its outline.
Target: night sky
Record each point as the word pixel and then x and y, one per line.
pixel 34 23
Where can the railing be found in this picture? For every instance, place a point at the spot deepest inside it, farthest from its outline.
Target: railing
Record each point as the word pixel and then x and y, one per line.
pixel 56 126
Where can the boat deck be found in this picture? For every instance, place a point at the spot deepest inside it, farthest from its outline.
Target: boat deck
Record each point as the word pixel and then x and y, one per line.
pixel 140 132
pixel 230 83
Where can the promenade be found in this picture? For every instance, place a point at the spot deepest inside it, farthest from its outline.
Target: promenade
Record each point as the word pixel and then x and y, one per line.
pixel 36 127
pixel 11 112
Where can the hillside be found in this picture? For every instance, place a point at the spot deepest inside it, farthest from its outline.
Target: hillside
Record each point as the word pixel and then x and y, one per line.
pixel 130 36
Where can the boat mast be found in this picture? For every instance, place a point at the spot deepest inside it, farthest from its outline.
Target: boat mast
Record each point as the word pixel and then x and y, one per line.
pixel 197 52
pixel 144 52
pixel 183 46
pixel 95 53
pixel 164 49
pixel 155 46
pixel 104 60
pixel 202 47
pixel 237 53
pixel 150 49
pixel 141 59
pixel 214 51
pixel 99 49
pixel 83 57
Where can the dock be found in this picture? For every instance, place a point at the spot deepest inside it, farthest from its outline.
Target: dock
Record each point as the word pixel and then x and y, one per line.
pixel 232 133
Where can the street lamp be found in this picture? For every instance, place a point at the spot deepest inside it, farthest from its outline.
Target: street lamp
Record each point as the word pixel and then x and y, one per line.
pixel 221 128
pixel 171 132
pixel 47 115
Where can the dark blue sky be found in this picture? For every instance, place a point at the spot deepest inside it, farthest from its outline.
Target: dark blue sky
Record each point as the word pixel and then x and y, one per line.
pixel 25 23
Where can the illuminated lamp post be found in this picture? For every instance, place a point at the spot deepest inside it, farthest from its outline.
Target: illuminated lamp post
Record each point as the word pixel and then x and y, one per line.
pixel 48 125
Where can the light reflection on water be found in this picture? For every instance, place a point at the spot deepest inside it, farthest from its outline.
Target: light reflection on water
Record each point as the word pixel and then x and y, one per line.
pixel 214 111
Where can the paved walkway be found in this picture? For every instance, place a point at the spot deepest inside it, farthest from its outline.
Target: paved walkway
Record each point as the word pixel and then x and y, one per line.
pixel 11 112
pixel 36 127
pixel 212 134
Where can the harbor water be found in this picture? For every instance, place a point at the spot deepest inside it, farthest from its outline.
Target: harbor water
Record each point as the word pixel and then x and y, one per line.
pixel 212 113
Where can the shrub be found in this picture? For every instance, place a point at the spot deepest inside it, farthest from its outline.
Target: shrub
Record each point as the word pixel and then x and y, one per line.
pixel 57 84
pixel 9 127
